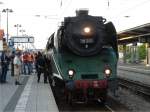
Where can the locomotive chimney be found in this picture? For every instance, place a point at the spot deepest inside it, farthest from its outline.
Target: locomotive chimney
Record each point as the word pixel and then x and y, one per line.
pixel 82 12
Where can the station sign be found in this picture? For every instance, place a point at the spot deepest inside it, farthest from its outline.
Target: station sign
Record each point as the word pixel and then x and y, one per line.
pixel 22 39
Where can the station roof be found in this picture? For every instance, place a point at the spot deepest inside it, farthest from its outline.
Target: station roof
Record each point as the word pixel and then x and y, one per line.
pixel 134 34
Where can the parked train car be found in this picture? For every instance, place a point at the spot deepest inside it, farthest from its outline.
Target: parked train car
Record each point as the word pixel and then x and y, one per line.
pixel 84 57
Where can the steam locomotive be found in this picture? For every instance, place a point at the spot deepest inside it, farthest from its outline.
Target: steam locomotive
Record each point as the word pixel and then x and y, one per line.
pixel 84 57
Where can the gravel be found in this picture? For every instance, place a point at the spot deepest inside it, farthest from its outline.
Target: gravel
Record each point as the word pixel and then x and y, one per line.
pixel 132 101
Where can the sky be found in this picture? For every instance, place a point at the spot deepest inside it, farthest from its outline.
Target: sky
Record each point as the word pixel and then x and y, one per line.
pixel 40 18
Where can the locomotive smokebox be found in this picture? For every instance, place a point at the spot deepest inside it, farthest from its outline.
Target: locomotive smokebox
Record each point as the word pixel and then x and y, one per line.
pixel 82 12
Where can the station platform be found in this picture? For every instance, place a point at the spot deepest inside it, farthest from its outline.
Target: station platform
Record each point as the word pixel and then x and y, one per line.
pixel 136 72
pixel 28 97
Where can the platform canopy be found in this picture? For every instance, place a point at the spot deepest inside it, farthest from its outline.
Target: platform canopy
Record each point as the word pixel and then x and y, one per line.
pixel 137 34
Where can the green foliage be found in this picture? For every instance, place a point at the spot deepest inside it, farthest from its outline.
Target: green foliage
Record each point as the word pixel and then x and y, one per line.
pixel 142 51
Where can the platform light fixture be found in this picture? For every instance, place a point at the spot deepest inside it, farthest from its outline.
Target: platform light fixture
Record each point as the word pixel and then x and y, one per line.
pixel 22 31
pixel 7 10
pixel 17 26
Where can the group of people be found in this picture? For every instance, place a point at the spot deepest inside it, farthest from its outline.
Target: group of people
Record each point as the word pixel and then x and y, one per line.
pixel 23 62
pixel 16 63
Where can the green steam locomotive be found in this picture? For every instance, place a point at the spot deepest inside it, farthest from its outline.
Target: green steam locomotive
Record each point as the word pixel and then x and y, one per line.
pixel 84 57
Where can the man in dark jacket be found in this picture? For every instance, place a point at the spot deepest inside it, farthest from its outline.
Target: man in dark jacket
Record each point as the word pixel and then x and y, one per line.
pixel 4 64
pixel 48 69
pixel 40 63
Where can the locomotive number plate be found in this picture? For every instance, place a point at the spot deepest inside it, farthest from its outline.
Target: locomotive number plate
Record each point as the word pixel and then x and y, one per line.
pixel 86 41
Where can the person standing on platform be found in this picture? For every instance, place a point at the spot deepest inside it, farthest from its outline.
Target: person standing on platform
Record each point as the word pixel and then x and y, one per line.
pixel 17 68
pixel 35 61
pixel 25 62
pixel 4 64
pixel 21 59
pixel 12 64
pixel 30 61
pixel 40 63
pixel 48 69
pixel 45 70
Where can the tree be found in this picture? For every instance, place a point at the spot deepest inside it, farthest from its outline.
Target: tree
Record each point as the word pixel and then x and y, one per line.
pixel 142 52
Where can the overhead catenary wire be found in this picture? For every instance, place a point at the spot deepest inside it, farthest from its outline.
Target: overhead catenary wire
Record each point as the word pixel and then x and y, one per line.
pixel 65 8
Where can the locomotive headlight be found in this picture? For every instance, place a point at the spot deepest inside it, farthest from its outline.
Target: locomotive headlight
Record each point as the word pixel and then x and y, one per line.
pixel 107 72
pixel 71 73
pixel 87 30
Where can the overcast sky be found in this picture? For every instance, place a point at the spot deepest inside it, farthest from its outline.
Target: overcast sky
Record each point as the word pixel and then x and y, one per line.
pixel 52 12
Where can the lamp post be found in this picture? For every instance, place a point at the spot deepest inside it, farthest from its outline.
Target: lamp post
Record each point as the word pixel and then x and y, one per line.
pixel 17 26
pixel 0 14
pixel 7 11
pixel 22 31
pixel 1 2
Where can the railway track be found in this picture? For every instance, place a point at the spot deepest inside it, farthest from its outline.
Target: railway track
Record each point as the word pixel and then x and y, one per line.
pixel 136 87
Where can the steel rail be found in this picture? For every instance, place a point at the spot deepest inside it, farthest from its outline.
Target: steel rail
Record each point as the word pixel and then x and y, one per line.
pixel 134 86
